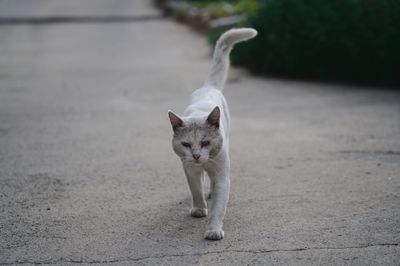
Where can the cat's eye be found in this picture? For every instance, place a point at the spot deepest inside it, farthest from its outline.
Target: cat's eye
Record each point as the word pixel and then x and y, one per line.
pixel 205 143
pixel 186 144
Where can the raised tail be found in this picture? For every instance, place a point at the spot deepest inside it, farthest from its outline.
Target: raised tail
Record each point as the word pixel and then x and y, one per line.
pixel 220 66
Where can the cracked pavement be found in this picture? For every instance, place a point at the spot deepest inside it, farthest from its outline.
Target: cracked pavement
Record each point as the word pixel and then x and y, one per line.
pixel 87 174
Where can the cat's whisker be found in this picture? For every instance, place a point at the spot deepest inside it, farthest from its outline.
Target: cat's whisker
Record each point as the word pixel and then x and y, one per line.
pixel 212 160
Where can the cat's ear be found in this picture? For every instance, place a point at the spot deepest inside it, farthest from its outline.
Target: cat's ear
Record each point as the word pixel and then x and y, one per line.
pixel 175 120
pixel 214 116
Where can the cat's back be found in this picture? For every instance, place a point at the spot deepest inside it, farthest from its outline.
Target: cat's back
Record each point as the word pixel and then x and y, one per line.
pixel 204 100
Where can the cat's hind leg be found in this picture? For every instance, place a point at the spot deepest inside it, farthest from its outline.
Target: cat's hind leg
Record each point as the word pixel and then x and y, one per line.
pixel 195 178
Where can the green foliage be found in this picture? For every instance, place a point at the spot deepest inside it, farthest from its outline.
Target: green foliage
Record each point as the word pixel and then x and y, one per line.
pixel 206 2
pixel 221 8
pixel 247 7
pixel 353 40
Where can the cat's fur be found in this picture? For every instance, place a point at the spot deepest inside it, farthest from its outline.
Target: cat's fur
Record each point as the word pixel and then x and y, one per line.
pixel 201 136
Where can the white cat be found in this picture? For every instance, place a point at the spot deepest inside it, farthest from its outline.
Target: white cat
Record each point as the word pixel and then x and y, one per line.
pixel 201 136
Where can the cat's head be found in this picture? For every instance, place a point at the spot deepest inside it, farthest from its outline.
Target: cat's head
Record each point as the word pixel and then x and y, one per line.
pixel 196 139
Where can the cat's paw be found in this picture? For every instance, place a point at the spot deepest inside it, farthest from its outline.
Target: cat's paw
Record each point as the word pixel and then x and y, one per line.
pixel 199 212
pixel 214 234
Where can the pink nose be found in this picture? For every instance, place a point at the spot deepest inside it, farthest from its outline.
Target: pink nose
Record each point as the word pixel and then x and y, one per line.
pixel 196 156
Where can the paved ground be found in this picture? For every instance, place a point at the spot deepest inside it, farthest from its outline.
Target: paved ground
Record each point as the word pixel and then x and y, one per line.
pixel 87 174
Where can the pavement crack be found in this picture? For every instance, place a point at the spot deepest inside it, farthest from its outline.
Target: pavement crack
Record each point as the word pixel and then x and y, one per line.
pixel 259 251
pixel 317 248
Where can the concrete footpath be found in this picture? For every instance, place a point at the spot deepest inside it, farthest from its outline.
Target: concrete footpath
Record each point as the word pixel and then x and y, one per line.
pixel 88 176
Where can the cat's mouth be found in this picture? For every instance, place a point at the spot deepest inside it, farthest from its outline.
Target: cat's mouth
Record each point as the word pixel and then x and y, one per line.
pixel 197 162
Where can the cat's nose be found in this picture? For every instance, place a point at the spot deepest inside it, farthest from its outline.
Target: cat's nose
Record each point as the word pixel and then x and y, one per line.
pixel 196 156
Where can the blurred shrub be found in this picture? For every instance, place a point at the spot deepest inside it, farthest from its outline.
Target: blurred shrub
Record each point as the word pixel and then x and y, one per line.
pixel 352 40
pixel 206 2
pixel 222 8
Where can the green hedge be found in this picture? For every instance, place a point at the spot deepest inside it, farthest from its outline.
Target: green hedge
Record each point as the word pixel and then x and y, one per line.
pixel 345 40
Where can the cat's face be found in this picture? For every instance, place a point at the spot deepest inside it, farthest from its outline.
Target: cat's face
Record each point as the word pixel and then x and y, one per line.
pixel 196 140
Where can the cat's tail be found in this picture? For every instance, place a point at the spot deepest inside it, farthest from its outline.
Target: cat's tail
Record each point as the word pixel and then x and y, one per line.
pixel 219 69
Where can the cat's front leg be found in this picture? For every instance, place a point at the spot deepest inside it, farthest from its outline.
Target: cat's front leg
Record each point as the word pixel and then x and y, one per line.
pixel 195 178
pixel 219 198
